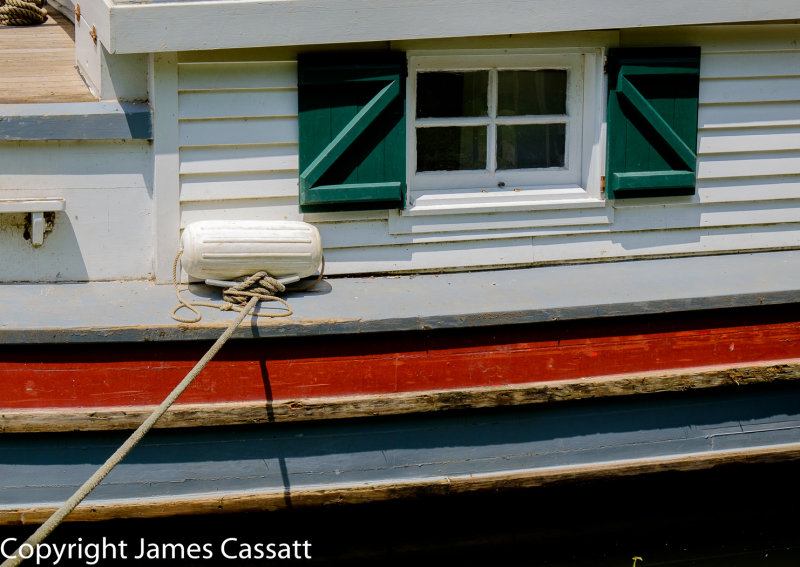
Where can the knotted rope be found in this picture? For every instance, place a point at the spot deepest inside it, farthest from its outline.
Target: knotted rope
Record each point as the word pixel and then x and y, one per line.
pixel 260 285
pixel 22 12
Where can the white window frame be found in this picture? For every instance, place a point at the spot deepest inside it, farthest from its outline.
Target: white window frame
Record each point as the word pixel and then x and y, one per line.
pixel 576 184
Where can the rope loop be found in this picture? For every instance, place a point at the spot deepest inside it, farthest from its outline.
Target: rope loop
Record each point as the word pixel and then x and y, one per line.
pixel 22 12
pixel 260 285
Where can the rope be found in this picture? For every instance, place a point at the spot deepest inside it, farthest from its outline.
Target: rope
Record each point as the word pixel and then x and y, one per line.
pixel 58 516
pixel 23 12
pixel 260 285
pixel 243 297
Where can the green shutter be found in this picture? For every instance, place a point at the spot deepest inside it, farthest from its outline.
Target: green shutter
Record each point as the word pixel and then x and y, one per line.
pixel 352 131
pixel 652 121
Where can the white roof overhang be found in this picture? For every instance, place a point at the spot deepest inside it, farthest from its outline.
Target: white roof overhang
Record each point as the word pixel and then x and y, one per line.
pixel 126 26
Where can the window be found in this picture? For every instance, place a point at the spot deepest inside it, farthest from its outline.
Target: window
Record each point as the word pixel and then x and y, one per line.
pixel 499 131
pixel 450 132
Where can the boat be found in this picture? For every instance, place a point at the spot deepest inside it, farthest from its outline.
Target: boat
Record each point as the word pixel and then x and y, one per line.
pixel 559 245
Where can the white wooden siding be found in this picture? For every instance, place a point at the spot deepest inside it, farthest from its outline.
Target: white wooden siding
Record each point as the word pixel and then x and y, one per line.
pixel 105 232
pixel 237 124
pixel 238 159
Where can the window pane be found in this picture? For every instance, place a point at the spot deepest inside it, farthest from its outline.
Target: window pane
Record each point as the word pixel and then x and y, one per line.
pixel 451 148
pixel 530 146
pixel 441 95
pixel 531 92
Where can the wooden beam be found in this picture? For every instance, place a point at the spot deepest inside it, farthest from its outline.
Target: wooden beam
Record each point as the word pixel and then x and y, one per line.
pixel 218 25
pixel 106 120
pixel 240 413
pixel 409 489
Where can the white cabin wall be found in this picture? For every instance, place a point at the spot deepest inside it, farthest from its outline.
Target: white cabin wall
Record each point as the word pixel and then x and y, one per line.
pixel 238 159
pixel 103 234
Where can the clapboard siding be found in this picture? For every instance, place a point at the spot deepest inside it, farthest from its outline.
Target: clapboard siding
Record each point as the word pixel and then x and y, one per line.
pixel 743 189
pixel 230 131
pixel 749 89
pixel 749 164
pixel 238 140
pixel 238 104
pixel 752 115
pixel 226 75
pixel 238 186
pixel 278 208
pixel 741 140
pixel 238 159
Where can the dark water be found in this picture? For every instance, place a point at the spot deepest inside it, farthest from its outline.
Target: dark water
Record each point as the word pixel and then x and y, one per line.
pixel 738 516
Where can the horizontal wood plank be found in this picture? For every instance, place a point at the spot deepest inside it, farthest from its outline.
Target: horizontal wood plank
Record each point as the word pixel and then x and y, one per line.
pixel 237 75
pixel 279 208
pixel 259 185
pixel 238 159
pixel 251 501
pixel 743 189
pixel 750 140
pixel 346 407
pixel 202 26
pixel 773 89
pixel 750 115
pixel 750 65
pixel 753 164
pixel 238 131
pixel 232 104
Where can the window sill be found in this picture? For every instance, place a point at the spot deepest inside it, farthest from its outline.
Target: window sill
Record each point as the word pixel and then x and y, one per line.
pixel 500 200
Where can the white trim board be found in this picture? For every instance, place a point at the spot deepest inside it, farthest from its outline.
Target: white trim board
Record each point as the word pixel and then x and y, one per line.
pixel 219 24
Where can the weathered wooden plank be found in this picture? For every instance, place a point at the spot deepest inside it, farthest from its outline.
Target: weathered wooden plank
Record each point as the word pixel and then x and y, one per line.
pixel 237 75
pixel 76 121
pixel 751 115
pixel 259 502
pixel 750 65
pixel 663 243
pixel 279 208
pixel 239 159
pixel 744 189
pixel 233 104
pixel 753 164
pixel 347 407
pixel 258 185
pixel 772 89
pixel 749 140
pixel 487 449
pixel 238 131
pixel 633 216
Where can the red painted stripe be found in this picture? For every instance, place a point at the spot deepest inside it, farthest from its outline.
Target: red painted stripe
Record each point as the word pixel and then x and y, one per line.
pixel 279 369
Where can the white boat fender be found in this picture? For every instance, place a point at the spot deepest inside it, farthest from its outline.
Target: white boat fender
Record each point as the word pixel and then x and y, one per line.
pixel 247 258
pixel 221 251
